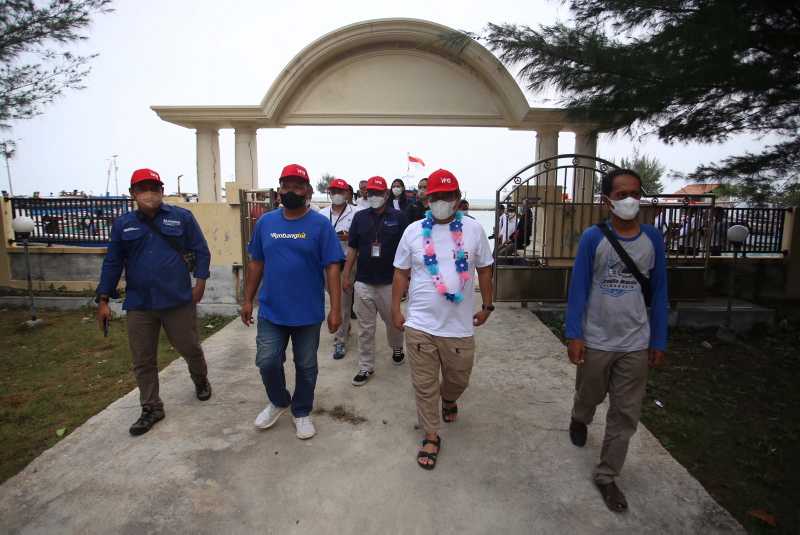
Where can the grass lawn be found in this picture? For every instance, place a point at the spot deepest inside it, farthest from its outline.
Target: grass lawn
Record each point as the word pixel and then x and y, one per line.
pixel 55 377
pixel 731 416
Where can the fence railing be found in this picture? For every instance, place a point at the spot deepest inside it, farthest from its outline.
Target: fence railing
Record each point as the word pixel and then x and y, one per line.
pixel 252 205
pixel 71 221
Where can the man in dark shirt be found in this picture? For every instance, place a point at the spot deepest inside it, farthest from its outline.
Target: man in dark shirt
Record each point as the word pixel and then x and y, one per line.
pixel 374 235
pixel 416 210
pixel 156 245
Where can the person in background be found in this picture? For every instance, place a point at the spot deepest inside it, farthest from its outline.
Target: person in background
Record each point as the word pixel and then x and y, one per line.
pixel 158 246
pixel 501 213
pixel 508 229
pixel 340 214
pixel 416 211
pixel 620 267
pixel 292 252
pixel 350 195
pixel 374 236
pixel 463 207
pixel 398 196
pixel 362 202
pixel 522 237
pixel 440 255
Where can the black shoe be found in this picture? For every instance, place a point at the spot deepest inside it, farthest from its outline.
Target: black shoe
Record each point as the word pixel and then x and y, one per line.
pixel 146 421
pixel 203 390
pixel 398 357
pixel 362 377
pixel 353 316
pixel 577 433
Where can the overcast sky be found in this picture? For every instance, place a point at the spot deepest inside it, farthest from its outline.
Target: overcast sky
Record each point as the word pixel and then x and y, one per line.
pixel 196 52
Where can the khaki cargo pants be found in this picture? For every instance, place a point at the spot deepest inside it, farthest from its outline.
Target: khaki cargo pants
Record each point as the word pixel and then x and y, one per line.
pixel 180 324
pixel 427 354
pixel 623 376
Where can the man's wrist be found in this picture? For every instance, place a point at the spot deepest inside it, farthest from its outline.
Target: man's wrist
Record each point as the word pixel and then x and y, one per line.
pixel 489 307
pixel 102 299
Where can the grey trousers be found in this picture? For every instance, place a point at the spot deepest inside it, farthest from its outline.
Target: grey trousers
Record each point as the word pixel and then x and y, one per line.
pixel 373 301
pixel 623 376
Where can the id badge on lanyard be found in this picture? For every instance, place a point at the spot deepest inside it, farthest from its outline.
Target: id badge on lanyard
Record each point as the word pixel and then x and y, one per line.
pixel 376 249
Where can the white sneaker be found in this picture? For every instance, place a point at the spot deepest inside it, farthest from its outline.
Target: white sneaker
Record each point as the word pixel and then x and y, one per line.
pixel 305 427
pixel 269 416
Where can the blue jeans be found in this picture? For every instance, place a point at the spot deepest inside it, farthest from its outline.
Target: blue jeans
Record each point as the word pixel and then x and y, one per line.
pixel 271 343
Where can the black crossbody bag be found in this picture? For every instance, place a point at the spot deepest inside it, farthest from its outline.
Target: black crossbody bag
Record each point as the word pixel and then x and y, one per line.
pixel 189 257
pixel 644 282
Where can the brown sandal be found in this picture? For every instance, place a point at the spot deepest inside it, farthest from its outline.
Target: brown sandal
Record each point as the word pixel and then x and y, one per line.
pixel 614 498
pixel 449 412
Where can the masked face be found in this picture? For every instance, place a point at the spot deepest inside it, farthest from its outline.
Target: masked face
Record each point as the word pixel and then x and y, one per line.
pixel 442 209
pixel 149 196
pixel 376 201
pixel 338 199
pixel 292 200
pixel 397 191
pixel 626 209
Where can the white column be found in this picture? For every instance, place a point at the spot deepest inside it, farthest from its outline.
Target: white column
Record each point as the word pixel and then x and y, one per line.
pixel 246 158
pixel 546 142
pixel 208 168
pixel 585 145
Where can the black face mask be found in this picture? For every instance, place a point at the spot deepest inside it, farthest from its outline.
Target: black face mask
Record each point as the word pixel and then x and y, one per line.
pixel 292 200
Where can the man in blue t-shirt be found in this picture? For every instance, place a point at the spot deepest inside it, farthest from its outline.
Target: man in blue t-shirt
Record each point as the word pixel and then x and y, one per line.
pixel 292 250
pixel 612 340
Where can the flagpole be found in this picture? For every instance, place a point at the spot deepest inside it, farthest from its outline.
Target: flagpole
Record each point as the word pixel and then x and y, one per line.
pixel 408 162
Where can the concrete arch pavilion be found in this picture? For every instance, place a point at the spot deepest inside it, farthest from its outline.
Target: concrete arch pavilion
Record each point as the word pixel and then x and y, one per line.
pixel 388 72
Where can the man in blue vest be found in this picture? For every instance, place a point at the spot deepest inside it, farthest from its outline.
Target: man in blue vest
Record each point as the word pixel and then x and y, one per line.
pixel 158 246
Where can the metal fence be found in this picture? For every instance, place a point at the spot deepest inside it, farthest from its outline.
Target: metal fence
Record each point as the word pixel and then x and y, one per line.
pixel 254 204
pixel 71 221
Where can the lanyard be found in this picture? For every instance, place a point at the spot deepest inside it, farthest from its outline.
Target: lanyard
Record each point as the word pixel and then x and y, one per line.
pixel 330 216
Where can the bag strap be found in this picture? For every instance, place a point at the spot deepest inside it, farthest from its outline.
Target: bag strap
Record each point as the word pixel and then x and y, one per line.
pixel 171 241
pixel 644 282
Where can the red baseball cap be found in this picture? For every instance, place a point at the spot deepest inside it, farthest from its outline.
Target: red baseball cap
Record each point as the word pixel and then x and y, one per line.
pixel 338 183
pixel 142 175
pixel 294 170
pixel 377 183
pixel 442 180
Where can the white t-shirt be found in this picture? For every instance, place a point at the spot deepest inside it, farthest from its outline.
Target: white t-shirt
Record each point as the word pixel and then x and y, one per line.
pixel 341 221
pixel 428 310
pixel 507 227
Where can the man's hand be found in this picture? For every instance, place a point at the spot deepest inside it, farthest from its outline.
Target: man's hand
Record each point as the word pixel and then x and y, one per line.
pixel 246 313
pixel 103 314
pixel 480 317
pixel 334 320
pixel 398 320
pixel 656 357
pixel 347 284
pixel 197 293
pixel 576 350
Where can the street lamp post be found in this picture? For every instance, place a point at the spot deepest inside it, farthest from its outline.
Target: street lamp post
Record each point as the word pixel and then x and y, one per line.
pixel 23 226
pixel 737 236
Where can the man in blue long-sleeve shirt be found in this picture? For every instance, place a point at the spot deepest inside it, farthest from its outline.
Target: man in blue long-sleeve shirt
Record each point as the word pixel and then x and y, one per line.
pixel 611 339
pixel 155 245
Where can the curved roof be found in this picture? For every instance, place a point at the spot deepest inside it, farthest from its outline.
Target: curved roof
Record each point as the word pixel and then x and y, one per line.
pixel 383 72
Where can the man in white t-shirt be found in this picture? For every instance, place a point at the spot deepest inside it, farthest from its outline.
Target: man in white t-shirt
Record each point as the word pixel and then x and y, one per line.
pixel 362 201
pixel 340 213
pixel 440 254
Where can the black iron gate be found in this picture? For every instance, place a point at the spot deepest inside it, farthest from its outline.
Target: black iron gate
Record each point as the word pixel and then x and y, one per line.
pixel 542 210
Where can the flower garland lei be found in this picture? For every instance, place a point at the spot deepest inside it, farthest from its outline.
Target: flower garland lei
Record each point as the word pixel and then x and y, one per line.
pixel 432 263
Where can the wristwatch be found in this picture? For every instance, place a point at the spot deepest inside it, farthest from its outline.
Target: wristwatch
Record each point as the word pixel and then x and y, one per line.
pixel 490 308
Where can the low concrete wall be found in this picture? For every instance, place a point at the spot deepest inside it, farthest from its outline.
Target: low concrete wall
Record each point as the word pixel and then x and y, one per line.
pixel 76 303
pixel 757 279
pixel 58 263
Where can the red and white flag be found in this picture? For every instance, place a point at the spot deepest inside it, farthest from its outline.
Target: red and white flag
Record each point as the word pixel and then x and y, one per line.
pixel 414 159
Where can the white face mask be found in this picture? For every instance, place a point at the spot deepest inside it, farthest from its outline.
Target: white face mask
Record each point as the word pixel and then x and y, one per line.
pixel 376 202
pixel 337 199
pixel 626 209
pixel 442 209
pixel 397 191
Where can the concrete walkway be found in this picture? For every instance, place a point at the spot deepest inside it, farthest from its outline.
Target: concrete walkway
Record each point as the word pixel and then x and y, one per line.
pixel 507 466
